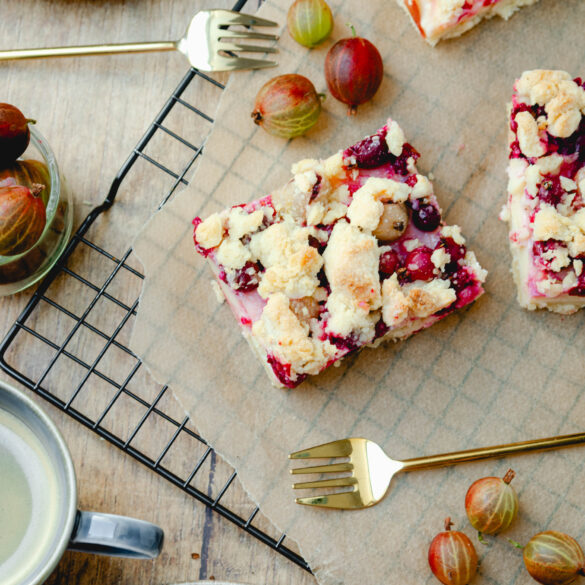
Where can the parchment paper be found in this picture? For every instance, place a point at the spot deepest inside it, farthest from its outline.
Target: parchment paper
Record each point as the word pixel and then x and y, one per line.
pixel 490 374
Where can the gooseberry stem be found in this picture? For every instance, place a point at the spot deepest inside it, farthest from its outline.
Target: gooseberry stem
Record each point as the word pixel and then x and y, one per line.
pixel 448 523
pixel 515 544
pixel 352 28
pixel 481 538
pixel 510 474
pixel 36 189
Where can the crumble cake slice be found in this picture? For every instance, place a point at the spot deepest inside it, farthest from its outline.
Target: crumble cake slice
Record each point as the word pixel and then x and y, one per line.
pixel 546 190
pixel 351 252
pixel 445 19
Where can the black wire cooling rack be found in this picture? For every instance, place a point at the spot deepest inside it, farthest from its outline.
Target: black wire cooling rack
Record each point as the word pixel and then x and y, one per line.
pixel 78 321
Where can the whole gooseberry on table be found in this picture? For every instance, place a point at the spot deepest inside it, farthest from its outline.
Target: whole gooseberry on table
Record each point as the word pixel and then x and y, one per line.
pixel 14 133
pixel 554 558
pixel 452 557
pixel 22 218
pixel 287 106
pixel 309 22
pixel 353 71
pixel 491 503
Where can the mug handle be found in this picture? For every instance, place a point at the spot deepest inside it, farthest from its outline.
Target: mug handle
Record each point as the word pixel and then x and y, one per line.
pixel 115 536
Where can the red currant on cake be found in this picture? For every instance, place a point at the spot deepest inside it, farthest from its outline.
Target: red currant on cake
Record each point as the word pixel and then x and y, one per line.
pixel 350 252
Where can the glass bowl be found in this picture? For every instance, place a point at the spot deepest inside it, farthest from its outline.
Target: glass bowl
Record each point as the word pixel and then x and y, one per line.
pixel 21 271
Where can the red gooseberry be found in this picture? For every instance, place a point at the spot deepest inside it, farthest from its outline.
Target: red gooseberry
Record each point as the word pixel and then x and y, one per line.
pixel 287 106
pixel 491 503
pixel 452 557
pixel 22 218
pixel 554 558
pixel 353 71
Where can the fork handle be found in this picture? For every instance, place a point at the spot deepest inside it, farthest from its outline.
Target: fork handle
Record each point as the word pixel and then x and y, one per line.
pixel 88 50
pixel 445 459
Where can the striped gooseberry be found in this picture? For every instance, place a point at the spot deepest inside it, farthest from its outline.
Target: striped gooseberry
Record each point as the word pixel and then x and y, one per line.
pixel 309 22
pixel 287 106
pixel 491 503
pixel 22 218
pixel 554 558
pixel 27 173
pixel 452 557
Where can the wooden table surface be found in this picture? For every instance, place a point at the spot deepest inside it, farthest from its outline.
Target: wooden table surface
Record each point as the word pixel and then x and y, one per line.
pixel 93 111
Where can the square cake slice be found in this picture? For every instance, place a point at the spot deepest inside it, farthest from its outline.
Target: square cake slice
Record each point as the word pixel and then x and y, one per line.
pixel 445 19
pixel 546 190
pixel 351 252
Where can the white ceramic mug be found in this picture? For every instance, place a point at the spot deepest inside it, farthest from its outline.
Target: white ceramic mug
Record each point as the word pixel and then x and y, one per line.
pixel 39 518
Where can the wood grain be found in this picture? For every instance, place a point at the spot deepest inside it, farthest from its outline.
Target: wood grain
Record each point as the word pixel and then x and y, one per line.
pixel 93 111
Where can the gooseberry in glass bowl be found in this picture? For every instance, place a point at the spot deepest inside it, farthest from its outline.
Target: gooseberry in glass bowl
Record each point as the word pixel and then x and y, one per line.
pixel 37 166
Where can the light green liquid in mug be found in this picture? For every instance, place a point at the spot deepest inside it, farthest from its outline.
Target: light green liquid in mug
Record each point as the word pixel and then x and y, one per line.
pixel 29 500
pixel 15 504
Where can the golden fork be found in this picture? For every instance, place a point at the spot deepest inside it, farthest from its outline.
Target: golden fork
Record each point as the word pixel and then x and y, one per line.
pixel 371 470
pixel 208 44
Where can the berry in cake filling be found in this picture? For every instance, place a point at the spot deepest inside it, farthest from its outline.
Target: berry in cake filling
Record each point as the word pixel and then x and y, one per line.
pixel 316 187
pixel 425 216
pixel 419 265
pixel 375 151
pixel 351 251
pixel 246 278
pixel 456 252
pixel 371 152
pixel 283 372
pixel 389 263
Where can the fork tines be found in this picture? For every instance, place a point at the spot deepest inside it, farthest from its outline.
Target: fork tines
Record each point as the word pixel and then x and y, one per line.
pixel 341 448
pixel 333 450
pixel 231 17
pixel 228 39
